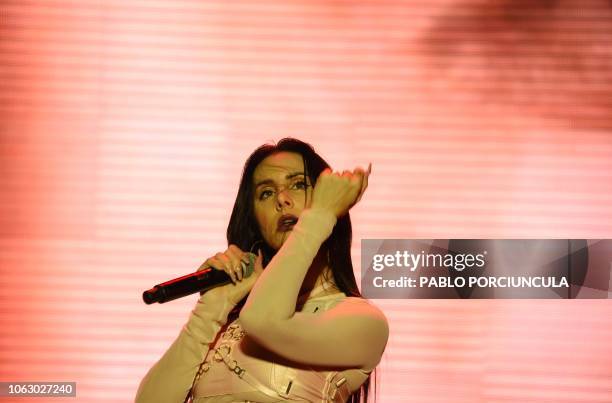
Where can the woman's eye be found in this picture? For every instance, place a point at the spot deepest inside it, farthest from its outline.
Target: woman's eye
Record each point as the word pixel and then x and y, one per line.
pixel 265 194
pixel 300 185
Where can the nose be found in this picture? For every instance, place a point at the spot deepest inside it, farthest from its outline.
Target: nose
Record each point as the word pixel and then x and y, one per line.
pixel 283 200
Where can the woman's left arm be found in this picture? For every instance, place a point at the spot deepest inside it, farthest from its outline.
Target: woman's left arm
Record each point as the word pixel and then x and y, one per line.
pixel 354 333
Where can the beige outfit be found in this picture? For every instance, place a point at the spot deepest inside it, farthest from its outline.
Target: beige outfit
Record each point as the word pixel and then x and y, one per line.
pixel 237 369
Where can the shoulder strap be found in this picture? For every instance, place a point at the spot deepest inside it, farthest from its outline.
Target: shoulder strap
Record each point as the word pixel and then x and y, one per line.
pixel 233 366
pixel 336 388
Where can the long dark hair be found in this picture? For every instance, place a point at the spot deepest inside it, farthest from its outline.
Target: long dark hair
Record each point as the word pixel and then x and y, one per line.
pixel 243 230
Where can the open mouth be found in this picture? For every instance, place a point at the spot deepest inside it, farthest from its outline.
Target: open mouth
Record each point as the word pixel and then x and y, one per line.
pixel 286 222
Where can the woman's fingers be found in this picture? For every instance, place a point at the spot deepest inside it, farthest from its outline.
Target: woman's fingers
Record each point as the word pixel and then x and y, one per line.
pixel 222 262
pixel 340 190
pixel 364 183
pixel 214 263
pixel 359 181
pixel 239 260
pixel 229 265
pixel 233 261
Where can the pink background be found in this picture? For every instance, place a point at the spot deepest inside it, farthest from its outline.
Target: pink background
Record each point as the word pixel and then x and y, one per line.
pixel 124 127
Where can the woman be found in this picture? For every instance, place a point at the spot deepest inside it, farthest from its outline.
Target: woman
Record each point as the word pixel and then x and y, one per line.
pixel 304 333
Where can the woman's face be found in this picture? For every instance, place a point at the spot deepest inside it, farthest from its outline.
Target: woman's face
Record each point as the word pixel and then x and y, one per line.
pixel 282 191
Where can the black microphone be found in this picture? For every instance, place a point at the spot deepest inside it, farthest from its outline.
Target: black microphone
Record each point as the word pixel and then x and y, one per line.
pixel 200 281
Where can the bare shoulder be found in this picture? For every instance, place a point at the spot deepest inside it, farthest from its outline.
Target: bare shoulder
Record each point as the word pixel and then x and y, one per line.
pixel 367 326
pixel 363 310
pixel 362 305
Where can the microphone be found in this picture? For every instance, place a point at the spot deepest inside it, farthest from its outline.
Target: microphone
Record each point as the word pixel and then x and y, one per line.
pixel 200 281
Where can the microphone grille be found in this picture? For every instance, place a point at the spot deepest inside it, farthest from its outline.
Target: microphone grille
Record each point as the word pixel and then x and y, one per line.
pixel 251 266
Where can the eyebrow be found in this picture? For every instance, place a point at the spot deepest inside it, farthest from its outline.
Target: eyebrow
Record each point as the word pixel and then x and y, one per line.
pixel 271 182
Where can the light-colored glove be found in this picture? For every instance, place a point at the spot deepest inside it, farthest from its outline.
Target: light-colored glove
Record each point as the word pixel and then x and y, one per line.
pixel 171 378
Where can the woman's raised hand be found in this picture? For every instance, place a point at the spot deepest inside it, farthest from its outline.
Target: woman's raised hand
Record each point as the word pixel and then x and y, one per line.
pixel 234 262
pixel 338 192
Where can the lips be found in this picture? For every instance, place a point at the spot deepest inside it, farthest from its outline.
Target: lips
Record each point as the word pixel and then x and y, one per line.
pixel 286 222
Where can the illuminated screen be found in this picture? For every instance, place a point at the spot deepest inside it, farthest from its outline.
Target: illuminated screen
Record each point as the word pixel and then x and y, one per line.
pixel 124 126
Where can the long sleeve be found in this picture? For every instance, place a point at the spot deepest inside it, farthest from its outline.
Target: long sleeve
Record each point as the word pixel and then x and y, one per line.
pixel 288 267
pixel 170 379
pixel 269 315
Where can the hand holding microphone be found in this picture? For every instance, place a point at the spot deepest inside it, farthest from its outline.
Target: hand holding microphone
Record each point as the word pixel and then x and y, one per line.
pixel 230 275
pixel 243 268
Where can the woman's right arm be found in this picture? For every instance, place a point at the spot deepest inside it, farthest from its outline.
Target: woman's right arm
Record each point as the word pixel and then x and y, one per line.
pixel 171 378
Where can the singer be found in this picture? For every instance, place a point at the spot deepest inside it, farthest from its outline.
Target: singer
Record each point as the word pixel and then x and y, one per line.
pixel 297 328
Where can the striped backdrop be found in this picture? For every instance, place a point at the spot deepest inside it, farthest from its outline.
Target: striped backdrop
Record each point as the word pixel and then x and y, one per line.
pixel 124 126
